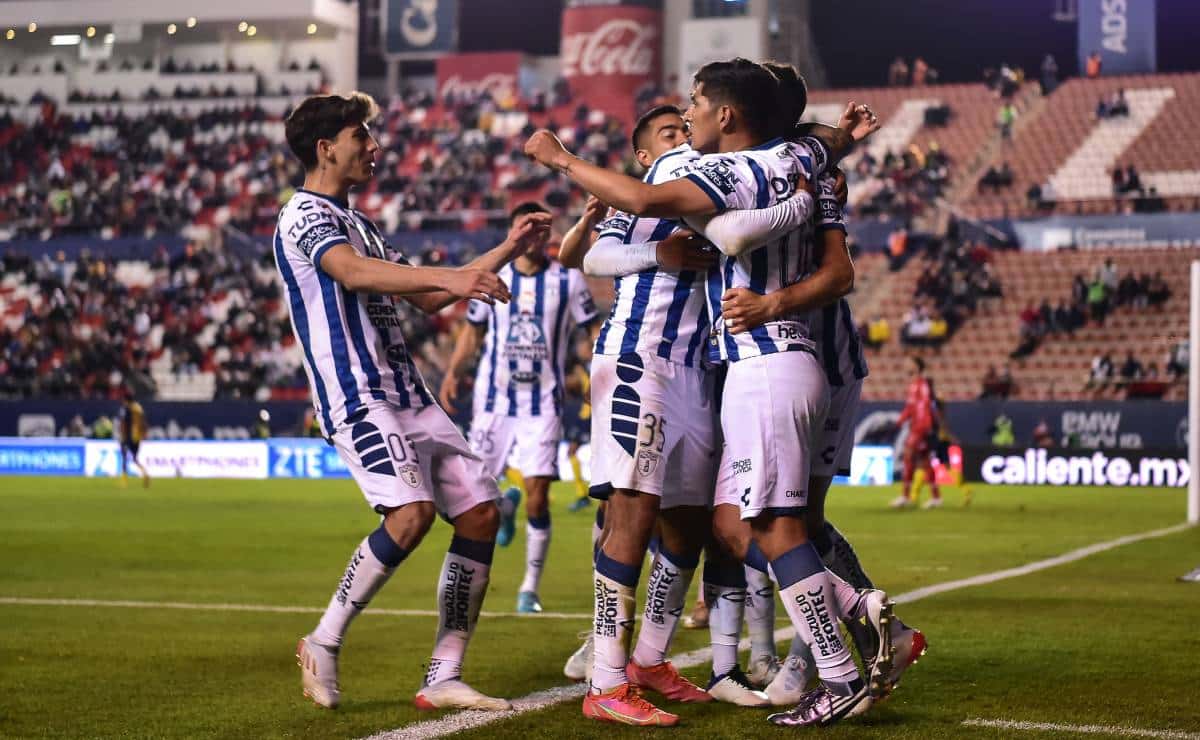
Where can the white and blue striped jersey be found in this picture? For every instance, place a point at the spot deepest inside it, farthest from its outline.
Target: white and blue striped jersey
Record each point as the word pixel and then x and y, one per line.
pixel 654 310
pixel 759 178
pixel 354 352
pixel 525 348
pixel 833 331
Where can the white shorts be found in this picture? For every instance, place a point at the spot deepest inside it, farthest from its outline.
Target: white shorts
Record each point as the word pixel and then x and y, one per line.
pixel 654 429
pixel 832 455
pixel 527 443
pixel 400 456
pixel 772 410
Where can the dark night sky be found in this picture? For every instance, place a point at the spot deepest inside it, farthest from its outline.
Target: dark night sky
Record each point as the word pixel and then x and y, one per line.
pixel 859 38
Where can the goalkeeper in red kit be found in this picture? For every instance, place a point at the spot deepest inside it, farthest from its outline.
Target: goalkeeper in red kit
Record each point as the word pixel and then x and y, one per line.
pixel 921 416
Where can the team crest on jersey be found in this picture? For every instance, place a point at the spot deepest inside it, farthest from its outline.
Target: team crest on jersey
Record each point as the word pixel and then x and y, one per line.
pixel 719 173
pixel 526 340
pixel 647 461
pixel 411 475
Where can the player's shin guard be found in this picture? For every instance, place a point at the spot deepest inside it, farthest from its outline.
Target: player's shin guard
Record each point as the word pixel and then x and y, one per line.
pixel 760 606
pixel 666 590
pixel 537 544
pixel 372 564
pixel 808 595
pixel 612 628
pixel 725 597
pixel 839 557
pixel 597 530
pixel 461 588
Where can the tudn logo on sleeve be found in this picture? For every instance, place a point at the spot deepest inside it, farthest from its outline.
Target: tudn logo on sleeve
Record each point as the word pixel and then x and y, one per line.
pixel 456 597
pixel 719 173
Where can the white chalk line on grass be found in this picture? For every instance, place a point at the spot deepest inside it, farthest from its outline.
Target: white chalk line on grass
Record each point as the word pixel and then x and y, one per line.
pixel 460 721
pixel 1006 724
pixel 21 601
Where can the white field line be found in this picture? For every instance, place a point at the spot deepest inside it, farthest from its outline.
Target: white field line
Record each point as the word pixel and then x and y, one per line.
pixel 460 721
pixel 20 601
pixel 1006 724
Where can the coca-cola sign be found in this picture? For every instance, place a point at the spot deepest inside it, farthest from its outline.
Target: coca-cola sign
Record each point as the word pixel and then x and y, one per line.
pixel 610 52
pixel 468 74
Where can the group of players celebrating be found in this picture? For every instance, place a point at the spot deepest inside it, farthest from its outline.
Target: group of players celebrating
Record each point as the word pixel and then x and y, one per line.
pixel 724 385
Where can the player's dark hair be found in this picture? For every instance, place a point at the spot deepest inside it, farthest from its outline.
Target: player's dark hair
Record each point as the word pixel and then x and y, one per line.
pixel 643 121
pixel 746 86
pixel 919 363
pixel 529 206
pixel 793 96
pixel 323 117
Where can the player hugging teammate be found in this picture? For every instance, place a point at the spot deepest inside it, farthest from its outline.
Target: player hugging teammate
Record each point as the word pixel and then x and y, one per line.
pixel 768 317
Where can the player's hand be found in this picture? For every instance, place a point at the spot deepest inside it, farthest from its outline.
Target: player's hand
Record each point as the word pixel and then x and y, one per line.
pixel 478 284
pixel 544 147
pixel 743 309
pixel 859 121
pixel 448 394
pixel 528 231
pixel 685 250
pixel 594 212
pixel 840 190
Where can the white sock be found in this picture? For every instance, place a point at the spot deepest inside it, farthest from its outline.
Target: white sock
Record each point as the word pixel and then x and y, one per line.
pixel 849 601
pixel 760 614
pixel 612 626
pixel 666 590
pixel 461 588
pixel 725 597
pixel 370 567
pixel 808 595
pixel 537 544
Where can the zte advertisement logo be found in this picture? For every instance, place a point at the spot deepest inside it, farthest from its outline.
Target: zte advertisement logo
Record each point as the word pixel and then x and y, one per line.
pixel 1073 468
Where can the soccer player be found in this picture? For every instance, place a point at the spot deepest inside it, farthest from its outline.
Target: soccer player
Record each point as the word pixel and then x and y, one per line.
pixel 131 428
pixel 343 281
pixel 518 401
pixel 578 426
pixel 840 351
pixel 921 416
pixel 775 396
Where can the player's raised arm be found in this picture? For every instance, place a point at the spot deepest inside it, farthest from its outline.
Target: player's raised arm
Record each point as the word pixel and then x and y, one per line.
pixel 372 275
pixel 579 237
pixel 527 228
pixel 668 200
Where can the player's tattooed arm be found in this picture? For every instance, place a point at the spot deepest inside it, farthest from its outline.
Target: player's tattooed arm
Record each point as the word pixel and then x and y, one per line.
pixel 673 199
pixel 524 231
pixel 579 238
pixel 372 275
pixel 466 347
pixel 856 124
pixel 743 309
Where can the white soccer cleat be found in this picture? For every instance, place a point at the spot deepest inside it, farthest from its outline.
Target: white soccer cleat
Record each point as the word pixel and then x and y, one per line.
pixel 763 669
pixel 455 694
pixel 878 656
pixel 933 503
pixel 795 677
pixel 318 672
pixel 901 502
pixel 734 688
pixel 579 665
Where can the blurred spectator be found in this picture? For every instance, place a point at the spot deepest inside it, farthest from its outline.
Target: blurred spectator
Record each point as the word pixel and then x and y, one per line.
pixel 996 384
pixel 1049 74
pixel 1092 66
pixel 1005 118
pixel 898 73
pixel 1113 107
pixel 75 428
pixel 1097 300
pixel 996 178
pixel 1101 373
pixel 920 72
pixel 1177 360
pixel 878 332
pixel 1131 369
pixel 1042 437
pixel 1157 291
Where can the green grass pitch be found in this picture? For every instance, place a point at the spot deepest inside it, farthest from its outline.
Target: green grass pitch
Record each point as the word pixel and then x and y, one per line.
pixel 1109 640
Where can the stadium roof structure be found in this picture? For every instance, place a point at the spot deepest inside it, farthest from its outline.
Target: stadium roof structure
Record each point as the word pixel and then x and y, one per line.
pixel 35 23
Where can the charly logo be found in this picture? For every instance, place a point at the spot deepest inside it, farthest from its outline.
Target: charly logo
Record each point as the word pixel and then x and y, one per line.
pixel 617 47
